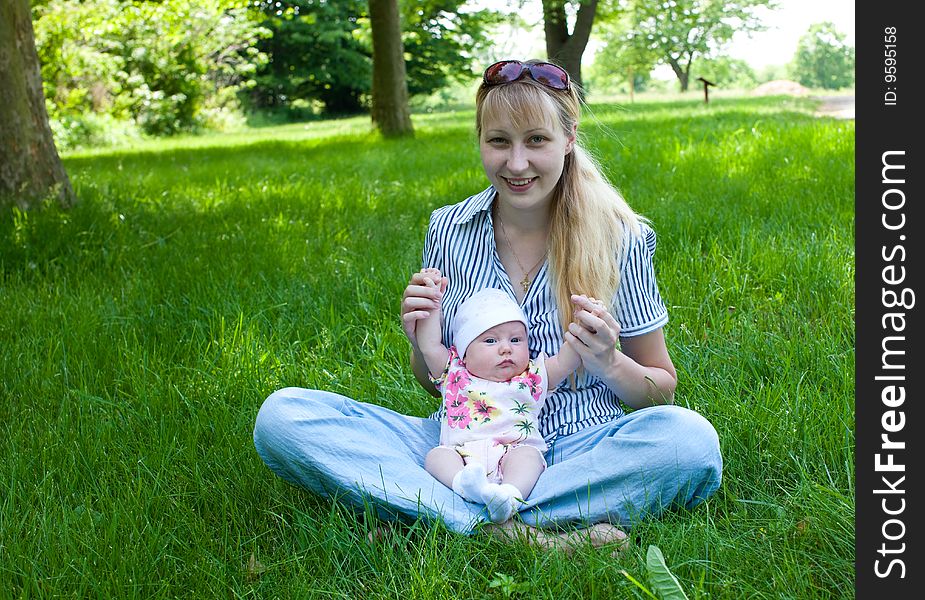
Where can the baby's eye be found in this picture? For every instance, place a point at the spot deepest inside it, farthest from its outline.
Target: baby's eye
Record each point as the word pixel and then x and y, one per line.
pixel 489 340
pixel 516 340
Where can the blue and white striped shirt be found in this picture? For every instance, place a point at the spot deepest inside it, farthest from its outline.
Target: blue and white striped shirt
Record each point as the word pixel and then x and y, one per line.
pixel 461 243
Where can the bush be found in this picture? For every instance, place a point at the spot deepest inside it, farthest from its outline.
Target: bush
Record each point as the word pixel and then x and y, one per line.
pixel 823 59
pixel 92 129
pixel 167 66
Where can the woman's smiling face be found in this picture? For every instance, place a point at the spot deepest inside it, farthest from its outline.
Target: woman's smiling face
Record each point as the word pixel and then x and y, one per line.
pixel 524 158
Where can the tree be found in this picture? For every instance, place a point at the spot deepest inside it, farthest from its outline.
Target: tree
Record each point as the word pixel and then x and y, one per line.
pixel 441 41
pixel 563 47
pixel 390 110
pixel 317 51
pixel 624 56
pixel 680 31
pixel 323 50
pixel 30 168
pixel 823 59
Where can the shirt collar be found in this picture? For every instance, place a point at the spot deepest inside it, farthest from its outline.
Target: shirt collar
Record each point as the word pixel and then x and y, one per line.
pixel 475 204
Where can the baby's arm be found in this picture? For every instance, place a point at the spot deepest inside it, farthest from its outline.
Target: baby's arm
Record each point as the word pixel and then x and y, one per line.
pixel 429 331
pixel 562 365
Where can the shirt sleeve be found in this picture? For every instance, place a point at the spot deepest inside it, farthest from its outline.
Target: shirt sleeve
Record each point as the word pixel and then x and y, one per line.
pixel 432 255
pixel 639 306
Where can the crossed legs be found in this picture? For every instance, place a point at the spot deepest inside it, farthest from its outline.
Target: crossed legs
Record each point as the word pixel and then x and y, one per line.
pixel 603 477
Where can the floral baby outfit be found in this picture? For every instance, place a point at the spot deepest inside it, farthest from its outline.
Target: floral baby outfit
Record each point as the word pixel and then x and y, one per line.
pixel 484 419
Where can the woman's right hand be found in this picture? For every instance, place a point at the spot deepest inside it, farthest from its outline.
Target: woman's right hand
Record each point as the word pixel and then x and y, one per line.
pixel 422 295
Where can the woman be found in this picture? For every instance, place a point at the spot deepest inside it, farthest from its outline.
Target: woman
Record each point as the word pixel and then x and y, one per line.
pixel 552 233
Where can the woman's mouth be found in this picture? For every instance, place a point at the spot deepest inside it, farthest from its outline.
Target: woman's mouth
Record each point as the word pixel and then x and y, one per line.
pixel 519 184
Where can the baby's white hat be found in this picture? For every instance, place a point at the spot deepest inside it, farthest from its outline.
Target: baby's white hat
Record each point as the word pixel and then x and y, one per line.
pixel 482 311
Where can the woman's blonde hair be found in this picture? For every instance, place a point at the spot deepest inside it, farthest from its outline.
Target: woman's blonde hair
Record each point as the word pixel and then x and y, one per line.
pixel 590 221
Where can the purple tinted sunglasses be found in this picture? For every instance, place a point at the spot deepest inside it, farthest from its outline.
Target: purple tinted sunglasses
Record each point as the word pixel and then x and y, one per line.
pixel 506 71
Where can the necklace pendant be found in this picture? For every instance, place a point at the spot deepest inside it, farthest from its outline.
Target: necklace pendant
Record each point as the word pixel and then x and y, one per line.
pixel 525 283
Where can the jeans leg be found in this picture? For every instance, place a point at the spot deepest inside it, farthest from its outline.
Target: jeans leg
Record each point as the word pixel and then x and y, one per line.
pixel 627 469
pixel 335 446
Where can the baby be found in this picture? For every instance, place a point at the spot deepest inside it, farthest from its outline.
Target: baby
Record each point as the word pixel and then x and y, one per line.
pixel 491 450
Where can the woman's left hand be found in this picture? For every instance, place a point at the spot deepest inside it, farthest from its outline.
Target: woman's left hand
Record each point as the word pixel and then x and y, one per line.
pixel 593 334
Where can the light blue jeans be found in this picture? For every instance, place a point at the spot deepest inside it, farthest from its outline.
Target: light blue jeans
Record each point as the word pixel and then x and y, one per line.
pixel 363 454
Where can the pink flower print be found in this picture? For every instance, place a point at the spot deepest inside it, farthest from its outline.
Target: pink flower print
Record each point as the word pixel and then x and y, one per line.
pixel 460 421
pixel 449 397
pixel 453 403
pixel 456 382
pixel 457 413
pixel 483 409
pixel 533 382
pixel 458 417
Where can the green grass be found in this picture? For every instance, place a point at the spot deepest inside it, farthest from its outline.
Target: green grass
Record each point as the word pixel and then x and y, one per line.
pixel 140 331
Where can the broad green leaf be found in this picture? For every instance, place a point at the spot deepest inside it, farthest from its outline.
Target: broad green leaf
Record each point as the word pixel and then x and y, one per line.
pixel 660 576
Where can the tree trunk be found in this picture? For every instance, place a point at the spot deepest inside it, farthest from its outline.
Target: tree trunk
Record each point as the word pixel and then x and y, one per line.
pixel 390 110
pixel 561 47
pixel 30 168
pixel 682 74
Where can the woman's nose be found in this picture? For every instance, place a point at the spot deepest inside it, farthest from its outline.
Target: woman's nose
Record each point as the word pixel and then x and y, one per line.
pixel 517 159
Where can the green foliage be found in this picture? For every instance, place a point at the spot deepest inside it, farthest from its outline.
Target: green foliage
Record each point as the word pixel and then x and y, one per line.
pixel 727 73
pixel 162 67
pixel 508 586
pixel 167 66
pixel 322 51
pixel 625 55
pixel 680 31
pixel 317 51
pixel 661 577
pixel 823 59
pixel 441 42
pixel 772 73
pixel 92 129
pixel 666 585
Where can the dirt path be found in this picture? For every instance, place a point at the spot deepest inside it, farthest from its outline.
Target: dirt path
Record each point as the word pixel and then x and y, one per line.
pixel 839 107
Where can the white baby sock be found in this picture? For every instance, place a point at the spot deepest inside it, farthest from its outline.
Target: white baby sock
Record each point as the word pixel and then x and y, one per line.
pixel 501 500
pixel 470 483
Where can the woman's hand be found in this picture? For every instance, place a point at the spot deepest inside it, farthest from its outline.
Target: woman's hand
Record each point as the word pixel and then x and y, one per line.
pixel 593 334
pixel 640 373
pixel 422 295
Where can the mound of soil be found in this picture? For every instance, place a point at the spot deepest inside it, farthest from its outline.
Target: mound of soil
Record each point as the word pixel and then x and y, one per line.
pixel 780 87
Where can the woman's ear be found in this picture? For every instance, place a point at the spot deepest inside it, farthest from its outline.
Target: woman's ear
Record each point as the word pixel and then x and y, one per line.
pixel 571 139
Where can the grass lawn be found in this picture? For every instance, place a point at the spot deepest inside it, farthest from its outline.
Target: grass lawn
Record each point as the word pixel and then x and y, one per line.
pixel 140 331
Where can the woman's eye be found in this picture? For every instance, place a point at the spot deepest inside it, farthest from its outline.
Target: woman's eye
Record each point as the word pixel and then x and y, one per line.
pixel 537 139
pixel 496 140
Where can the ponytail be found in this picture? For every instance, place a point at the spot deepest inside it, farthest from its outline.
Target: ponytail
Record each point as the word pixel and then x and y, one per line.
pixel 591 223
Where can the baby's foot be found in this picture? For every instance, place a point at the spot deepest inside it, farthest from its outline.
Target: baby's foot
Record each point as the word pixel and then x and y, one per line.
pixel 501 501
pixel 470 483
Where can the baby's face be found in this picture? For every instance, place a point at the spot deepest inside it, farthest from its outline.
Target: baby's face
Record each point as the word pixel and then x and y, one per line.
pixel 499 353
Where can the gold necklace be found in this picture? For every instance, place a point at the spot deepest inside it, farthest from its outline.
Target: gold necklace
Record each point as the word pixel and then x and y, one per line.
pixel 525 282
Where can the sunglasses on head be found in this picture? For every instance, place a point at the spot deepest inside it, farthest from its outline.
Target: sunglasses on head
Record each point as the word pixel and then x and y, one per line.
pixel 506 71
